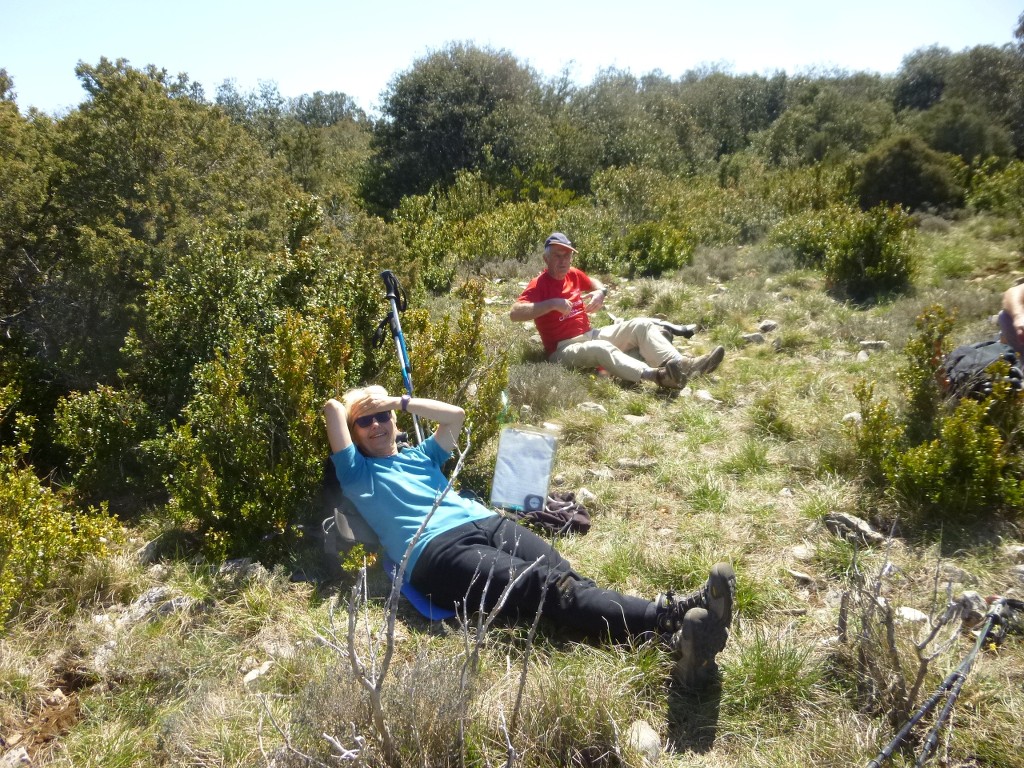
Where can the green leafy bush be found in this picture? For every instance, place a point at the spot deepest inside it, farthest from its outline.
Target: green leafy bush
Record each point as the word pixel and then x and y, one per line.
pixel 862 254
pixel 942 458
pixel 872 254
pixel 42 533
pixel 905 171
pixel 996 189
pixel 248 455
pixel 101 431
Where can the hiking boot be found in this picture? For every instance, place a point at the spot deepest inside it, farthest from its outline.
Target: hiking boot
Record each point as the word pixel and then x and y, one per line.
pixel 715 596
pixel 695 645
pixel 671 375
pixel 709 362
pixel 671 330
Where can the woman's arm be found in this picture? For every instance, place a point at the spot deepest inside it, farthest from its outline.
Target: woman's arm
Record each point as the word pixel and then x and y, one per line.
pixel 449 419
pixel 337 425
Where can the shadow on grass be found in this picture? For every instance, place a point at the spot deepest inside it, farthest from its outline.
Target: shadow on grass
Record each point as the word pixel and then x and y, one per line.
pixel 693 716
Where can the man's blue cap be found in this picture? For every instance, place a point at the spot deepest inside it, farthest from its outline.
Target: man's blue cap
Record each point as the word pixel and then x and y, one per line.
pixel 557 238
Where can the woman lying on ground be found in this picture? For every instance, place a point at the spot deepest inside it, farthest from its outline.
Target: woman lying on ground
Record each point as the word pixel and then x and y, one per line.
pixel 466 547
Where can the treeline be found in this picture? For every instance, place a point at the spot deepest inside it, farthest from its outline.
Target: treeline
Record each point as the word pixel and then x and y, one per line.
pixel 183 281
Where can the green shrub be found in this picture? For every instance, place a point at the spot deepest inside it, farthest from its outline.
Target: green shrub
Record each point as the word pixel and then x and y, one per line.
pixel 872 254
pixel 905 171
pixel 941 458
pixel 651 248
pixel 42 533
pixel 998 190
pixel 102 430
pixel 249 454
pixel 808 234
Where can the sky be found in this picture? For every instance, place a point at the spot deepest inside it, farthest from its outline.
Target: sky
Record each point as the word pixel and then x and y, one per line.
pixel 357 48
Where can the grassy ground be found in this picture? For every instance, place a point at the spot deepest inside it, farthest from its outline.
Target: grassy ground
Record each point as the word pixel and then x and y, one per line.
pixel 239 672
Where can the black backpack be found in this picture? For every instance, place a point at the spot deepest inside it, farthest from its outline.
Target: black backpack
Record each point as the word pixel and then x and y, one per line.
pixel 966 368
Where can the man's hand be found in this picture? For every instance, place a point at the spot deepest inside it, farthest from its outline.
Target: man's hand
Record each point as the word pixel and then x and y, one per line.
pixel 525 310
pixel 595 301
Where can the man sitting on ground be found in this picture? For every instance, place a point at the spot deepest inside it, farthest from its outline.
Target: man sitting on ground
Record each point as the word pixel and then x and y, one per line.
pixel 560 300
pixel 469 555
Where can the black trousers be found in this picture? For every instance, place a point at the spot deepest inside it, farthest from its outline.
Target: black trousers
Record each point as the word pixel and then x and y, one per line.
pixel 456 566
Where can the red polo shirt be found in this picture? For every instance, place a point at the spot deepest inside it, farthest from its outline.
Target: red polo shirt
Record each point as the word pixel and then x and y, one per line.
pixel 552 326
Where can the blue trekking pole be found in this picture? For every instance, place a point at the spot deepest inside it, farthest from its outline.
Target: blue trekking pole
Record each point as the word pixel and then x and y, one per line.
pixel 396 296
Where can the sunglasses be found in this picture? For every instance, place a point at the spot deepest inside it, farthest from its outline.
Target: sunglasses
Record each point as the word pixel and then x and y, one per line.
pixel 381 418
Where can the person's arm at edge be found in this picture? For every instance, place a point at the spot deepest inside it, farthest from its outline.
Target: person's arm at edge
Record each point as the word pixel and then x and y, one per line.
pixel 1013 304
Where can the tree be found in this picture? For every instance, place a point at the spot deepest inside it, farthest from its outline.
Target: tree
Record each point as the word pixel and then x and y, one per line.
pixel 958 128
pixel 922 78
pixel 460 108
pixel 905 171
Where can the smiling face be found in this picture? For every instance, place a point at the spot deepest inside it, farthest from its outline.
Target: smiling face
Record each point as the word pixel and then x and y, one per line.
pixel 376 440
pixel 558 259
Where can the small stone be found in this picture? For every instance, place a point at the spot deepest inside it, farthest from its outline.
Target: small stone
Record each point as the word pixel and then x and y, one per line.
pixel 704 396
pixel 912 615
pixel 875 346
pixel 625 463
pixel 633 419
pixel 853 417
pixel 602 473
pixel 16 758
pixel 261 670
pixel 1017 572
pixel 973 608
pixel 803 552
pixel 590 407
pixel 558 479
pixel 642 738
pixel 767 326
pixel 862 356
pixel 585 496
pixel 1015 553
pixel 753 338
pixel 956 574
pixel 852 527
pixel 552 426
pixel 786 492
pixel 800 576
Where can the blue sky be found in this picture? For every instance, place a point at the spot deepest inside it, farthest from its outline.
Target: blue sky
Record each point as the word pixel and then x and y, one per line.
pixel 357 48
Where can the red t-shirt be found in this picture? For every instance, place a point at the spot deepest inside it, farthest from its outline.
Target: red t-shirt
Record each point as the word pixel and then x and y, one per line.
pixel 552 326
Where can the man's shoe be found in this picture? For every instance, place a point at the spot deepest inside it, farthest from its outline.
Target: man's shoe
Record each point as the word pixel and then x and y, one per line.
pixel 709 362
pixel 671 375
pixel 716 596
pixel 674 329
pixel 695 645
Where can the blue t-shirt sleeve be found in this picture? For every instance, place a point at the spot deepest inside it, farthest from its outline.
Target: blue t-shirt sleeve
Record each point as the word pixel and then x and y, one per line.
pixel 349 465
pixel 435 452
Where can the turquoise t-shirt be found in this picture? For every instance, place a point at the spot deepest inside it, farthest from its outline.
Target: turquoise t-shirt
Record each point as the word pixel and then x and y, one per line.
pixel 395 493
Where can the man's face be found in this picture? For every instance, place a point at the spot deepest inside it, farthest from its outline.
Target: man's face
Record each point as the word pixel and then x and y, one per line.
pixel 558 259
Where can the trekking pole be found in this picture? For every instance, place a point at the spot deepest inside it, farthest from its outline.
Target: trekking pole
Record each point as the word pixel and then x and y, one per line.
pixel 950 687
pixel 396 296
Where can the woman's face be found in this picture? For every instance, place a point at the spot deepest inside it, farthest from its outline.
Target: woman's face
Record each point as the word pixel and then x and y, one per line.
pixel 377 437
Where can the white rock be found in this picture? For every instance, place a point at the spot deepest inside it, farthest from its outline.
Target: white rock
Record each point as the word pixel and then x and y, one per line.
pixel 800 576
pixel 874 345
pixel 552 426
pixel 590 407
pixel 16 758
pixel 626 463
pixel 853 417
pixel 862 356
pixel 602 473
pixel 803 552
pixel 1015 552
pixel 956 574
pixel 261 670
pixel 767 326
pixel 633 419
pixel 705 397
pixel 906 613
pixel 787 492
pixel 973 608
pixel 585 496
pixel 642 738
